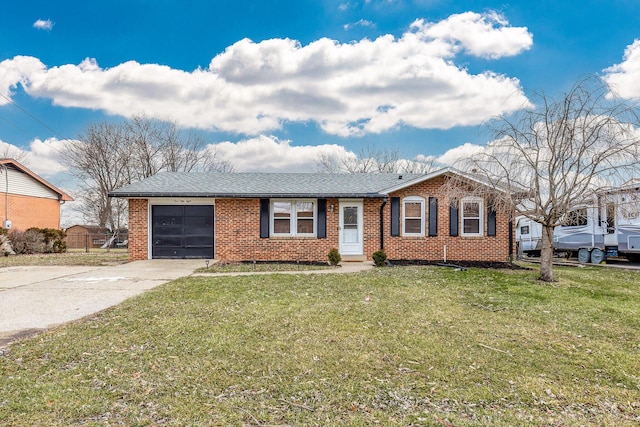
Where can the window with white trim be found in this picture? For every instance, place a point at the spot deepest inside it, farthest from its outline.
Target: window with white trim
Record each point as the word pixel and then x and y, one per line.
pixel 293 217
pixel 413 217
pixel 472 216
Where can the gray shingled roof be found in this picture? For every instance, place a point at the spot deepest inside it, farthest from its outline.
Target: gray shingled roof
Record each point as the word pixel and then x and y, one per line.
pixel 250 185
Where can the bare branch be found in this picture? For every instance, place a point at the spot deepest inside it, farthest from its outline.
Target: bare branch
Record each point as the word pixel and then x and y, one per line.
pixel 552 158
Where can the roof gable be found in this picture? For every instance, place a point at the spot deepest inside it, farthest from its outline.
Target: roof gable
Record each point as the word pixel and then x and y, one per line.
pixel 11 162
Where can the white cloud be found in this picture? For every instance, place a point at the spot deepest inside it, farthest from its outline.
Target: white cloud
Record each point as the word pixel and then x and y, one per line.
pixel 360 23
pixel 623 78
pixel 270 154
pixel 450 157
pixel 15 71
pixel 43 24
pixel 349 89
pixel 484 35
pixel 42 157
pixel 45 157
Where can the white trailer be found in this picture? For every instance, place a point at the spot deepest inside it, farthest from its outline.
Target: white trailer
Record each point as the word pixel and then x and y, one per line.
pixel 607 227
pixel 528 236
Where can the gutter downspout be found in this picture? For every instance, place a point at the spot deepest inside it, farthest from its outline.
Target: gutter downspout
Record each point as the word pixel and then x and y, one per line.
pixel 384 202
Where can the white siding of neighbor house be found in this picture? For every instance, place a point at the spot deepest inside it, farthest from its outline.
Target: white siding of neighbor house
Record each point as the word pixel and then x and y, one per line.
pixel 22 184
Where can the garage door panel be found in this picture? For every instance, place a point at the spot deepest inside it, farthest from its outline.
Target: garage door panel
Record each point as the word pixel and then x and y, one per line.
pixel 197 241
pixel 198 221
pixel 168 210
pixel 203 211
pixel 167 252
pixel 182 231
pixel 167 230
pixel 197 231
pixel 168 241
pixel 168 221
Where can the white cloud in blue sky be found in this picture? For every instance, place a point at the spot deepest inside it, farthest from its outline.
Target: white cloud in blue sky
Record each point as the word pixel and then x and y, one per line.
pixel 43 24
pixel 623 78
pixel 276 84
pixel 348 89
pixel 360 23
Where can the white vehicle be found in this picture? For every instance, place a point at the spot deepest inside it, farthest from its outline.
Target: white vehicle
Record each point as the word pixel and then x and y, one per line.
pixel 608 227
pixel 528 236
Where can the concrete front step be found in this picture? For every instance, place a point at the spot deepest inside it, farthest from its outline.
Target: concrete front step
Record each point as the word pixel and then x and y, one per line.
pixel 353 258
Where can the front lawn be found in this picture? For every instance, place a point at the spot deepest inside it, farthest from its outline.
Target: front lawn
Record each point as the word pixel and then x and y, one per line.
pixel 393 346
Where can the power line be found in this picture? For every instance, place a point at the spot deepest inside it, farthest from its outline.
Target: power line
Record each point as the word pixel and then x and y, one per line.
pixel 34 118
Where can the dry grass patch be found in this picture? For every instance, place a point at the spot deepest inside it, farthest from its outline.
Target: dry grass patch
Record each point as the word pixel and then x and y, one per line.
pixel 73 257
pixel 261 267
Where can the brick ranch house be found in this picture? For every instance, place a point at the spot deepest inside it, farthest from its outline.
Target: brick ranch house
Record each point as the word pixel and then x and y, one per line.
pixel 301 216
pixel 26 199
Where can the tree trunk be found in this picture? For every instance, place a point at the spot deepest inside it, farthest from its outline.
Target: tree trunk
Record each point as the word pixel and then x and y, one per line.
pixel 546 254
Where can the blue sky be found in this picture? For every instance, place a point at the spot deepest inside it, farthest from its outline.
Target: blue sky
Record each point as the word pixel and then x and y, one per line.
pixel 273 85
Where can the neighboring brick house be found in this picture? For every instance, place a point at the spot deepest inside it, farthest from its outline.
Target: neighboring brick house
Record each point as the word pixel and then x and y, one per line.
pixel 300 217
pixel 26 199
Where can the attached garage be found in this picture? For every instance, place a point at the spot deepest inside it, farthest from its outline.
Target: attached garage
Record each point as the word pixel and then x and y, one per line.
pixel 182 231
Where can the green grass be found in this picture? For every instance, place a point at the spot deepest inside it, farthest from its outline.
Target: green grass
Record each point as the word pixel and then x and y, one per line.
pixel 73 257
pixel 392 346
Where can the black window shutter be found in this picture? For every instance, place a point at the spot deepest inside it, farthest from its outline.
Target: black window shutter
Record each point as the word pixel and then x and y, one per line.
pixel 433 216
pixel 395 216
pixel 453 219
pixel 321 232
pixel 491 221
pixel 264 218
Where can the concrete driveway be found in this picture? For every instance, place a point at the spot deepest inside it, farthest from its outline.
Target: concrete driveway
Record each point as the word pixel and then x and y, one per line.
pixel 37 298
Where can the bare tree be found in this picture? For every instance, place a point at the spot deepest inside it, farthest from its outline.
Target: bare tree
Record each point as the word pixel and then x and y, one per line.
pixel 110 155
pixel 101 160
pixel 544 161
pixel 372 159
pixel 8 151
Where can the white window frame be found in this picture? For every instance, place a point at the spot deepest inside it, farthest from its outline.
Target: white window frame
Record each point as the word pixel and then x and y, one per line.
pixel 293 219
pixel 413 199
pixel 480 218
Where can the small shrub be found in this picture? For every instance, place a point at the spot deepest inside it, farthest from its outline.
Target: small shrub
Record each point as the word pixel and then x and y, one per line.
pixel 334 257
pixel 379 258
pixel 27 242
pixel 54 240
pixel 38 241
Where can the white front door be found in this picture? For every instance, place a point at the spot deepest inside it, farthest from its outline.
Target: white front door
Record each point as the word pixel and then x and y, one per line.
pixel 351 234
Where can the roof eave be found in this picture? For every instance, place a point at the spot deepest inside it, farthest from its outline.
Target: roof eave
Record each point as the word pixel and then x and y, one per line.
pixel 149 195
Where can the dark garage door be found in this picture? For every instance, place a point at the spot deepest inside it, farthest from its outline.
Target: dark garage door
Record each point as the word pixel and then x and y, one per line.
pixel 182 232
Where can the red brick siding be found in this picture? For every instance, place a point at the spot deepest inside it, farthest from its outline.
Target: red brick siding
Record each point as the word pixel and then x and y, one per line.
pixel 138 229
pixel 26 212
pixel 237 233
pixel 458 248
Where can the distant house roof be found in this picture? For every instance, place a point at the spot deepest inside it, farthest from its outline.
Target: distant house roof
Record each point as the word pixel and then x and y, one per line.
pixel 273 185
pixel 13 164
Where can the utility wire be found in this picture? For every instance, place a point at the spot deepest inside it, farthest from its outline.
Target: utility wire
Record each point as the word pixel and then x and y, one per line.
pixel 34 118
